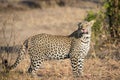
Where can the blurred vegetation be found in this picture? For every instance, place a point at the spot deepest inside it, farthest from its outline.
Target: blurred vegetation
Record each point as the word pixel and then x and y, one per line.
pixel 113 13
pixel 106 29
pixel 31 4
pixel 97 25
pixel 107 20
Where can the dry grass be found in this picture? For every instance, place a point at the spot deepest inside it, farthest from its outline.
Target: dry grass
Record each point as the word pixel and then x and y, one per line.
pixel 56 21
pixel 95 69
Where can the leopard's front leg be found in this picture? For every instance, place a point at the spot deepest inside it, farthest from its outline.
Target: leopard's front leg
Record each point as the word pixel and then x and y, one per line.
pixel 77 64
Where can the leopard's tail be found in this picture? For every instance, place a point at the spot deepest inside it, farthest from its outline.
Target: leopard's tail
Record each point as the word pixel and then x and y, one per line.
pixel 20 57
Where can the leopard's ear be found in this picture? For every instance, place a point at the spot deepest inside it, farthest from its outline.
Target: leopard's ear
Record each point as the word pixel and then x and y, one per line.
pixel 79 25
pixel 92 22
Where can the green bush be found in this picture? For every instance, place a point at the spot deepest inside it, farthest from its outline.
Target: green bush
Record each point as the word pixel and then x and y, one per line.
pixel 97 25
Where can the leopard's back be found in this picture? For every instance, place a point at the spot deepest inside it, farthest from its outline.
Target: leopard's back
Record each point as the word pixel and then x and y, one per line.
pixel 52 46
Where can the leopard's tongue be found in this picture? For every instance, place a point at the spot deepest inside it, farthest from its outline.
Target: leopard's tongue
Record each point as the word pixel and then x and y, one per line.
pixel 84 31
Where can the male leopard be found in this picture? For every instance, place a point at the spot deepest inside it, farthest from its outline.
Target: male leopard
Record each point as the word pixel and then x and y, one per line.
pixel 44 47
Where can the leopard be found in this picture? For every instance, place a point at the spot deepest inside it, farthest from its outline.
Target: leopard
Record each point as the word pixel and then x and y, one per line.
pixel 43 47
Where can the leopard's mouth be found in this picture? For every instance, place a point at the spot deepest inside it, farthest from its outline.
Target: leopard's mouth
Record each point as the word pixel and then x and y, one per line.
pixel 84 31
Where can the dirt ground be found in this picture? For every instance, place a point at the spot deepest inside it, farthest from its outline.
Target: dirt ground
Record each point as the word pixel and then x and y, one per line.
pixel 21 24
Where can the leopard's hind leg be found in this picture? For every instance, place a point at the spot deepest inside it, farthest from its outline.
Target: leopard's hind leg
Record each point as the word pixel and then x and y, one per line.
pixel 36 63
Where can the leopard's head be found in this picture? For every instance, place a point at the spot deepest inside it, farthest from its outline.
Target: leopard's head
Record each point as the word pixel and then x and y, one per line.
pixel 85 28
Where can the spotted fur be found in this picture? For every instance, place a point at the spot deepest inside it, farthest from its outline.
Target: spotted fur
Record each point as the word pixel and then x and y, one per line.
pixel 43 47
